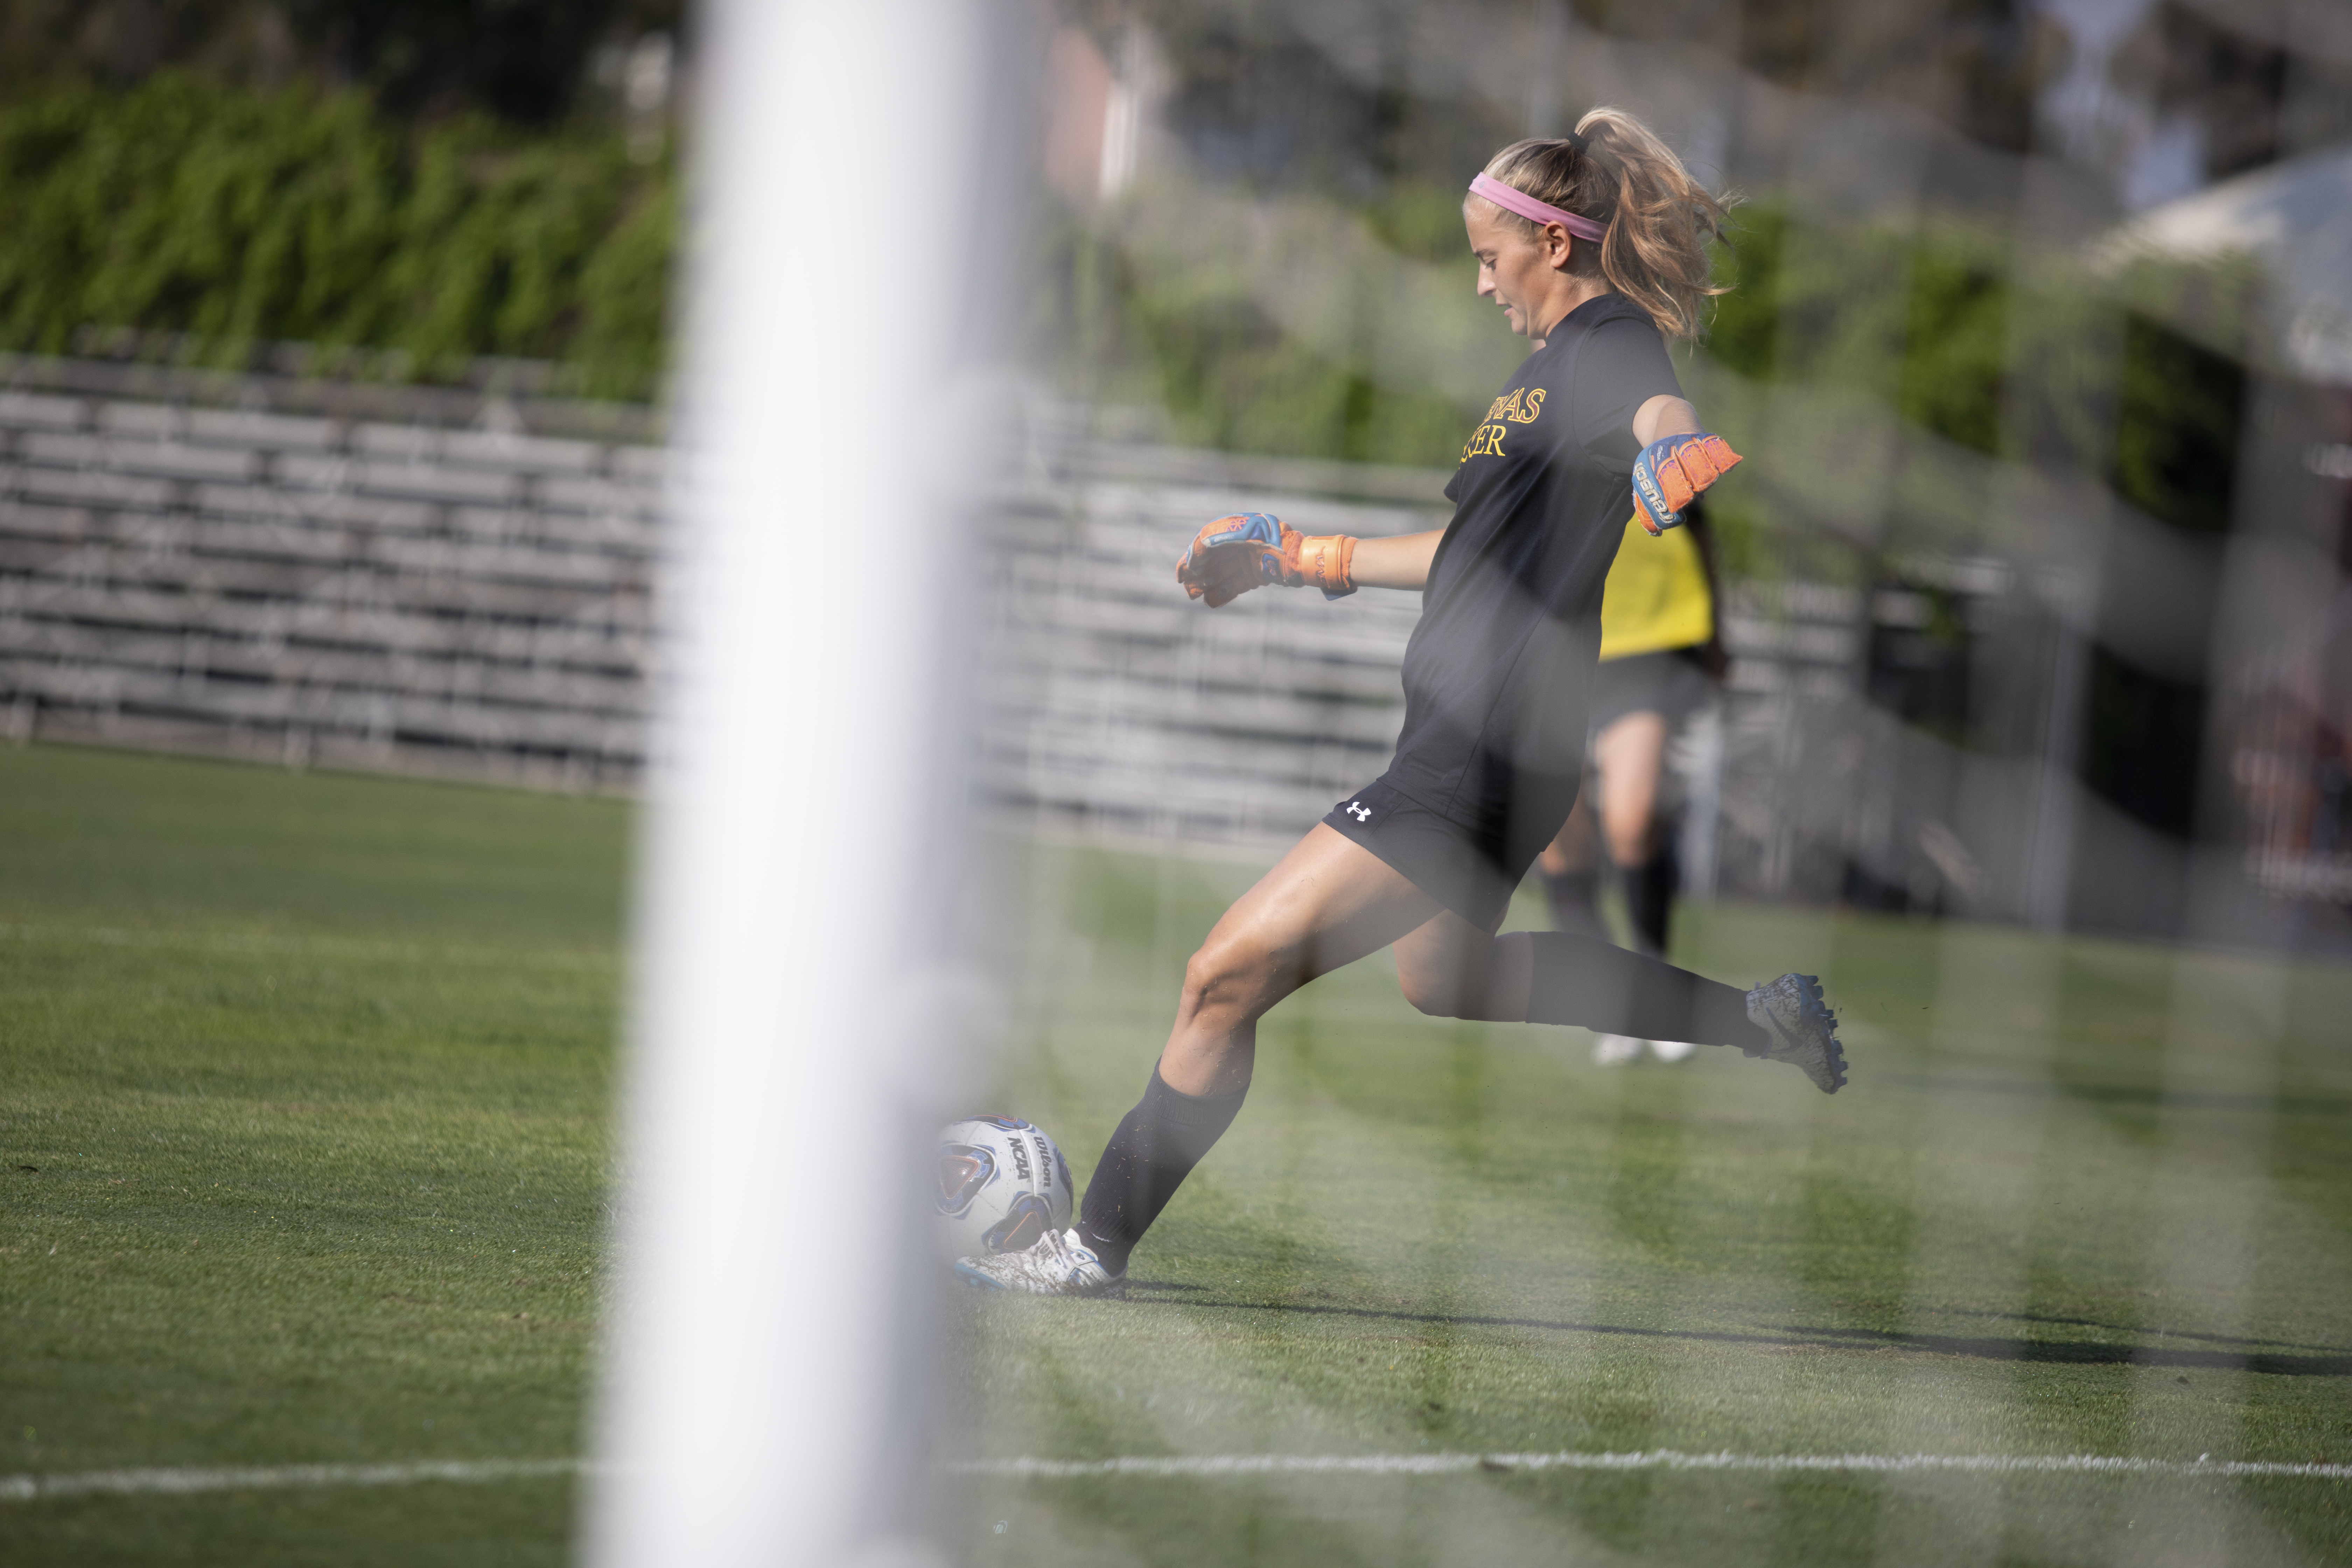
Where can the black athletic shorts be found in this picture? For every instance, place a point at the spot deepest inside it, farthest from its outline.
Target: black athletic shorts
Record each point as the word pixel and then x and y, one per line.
pixel 1470 870
pixel 1672 684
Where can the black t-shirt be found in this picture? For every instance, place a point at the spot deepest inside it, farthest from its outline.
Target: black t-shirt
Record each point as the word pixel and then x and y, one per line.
pixel 1496 674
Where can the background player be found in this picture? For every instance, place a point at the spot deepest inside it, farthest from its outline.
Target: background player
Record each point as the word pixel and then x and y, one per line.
pixel 1595 245
pixel 1660 661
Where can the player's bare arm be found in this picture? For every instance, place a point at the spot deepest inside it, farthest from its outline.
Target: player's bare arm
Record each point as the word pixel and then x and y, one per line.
pixel 1400 561
pixel 1665 416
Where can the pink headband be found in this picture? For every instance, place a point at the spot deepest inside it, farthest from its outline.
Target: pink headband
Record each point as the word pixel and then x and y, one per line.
pixel 1534 211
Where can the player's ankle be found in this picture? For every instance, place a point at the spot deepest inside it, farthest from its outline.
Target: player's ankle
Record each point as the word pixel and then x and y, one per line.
pixel 1111 1251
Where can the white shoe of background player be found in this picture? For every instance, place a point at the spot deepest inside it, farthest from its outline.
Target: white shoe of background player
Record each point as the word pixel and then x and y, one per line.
pixel 1615 1050
pixel 1672 1050
pixel 1057 1264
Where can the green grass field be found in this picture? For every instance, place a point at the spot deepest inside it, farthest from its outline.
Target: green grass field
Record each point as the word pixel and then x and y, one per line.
pixel 304 1086
pixel 2081 1198
pixel 312 1077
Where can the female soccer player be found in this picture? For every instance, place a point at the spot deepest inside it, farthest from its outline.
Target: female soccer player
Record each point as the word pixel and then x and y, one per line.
pixel 1595 245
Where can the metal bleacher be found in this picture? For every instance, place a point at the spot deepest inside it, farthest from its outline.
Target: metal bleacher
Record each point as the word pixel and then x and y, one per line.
pixel 372 578
pixel 321 587
pixel 452 582
pixel 1117 706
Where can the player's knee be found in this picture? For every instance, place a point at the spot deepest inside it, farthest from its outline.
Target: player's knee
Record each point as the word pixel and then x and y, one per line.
pixel 1433 994
pixel 1222 979
pixel 1480 987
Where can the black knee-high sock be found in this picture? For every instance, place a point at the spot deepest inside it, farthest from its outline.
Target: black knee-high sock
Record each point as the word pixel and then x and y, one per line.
pixel 1605 987
pixel 1650 900
pixel 1155 1148
pixel 1574 898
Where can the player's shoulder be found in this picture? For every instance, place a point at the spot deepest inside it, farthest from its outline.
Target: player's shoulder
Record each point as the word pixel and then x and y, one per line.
pixel 1623 352
pixel 1611 316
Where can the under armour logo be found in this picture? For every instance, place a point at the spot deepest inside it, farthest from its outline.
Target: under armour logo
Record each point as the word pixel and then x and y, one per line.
pixel 1361 813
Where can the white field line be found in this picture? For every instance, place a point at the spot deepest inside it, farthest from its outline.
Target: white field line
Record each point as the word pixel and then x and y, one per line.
pixel 308 946
pixel 312 1478
pixel 1214 1464
pixel 280 1478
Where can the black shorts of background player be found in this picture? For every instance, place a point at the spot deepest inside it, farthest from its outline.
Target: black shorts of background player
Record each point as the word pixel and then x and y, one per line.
pixel 1593 245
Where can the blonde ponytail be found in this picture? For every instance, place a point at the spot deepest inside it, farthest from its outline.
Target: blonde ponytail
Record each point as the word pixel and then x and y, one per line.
pixel 1615 171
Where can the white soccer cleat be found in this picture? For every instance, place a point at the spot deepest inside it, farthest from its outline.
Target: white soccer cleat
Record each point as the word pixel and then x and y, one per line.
pixel 1055 1264
pixel 1672 1050
pixel 1615 1050
pixel 1802 1029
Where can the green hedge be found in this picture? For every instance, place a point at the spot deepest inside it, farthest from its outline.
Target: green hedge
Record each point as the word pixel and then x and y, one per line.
pixel 242 217
pixel 1226 375
pixel 2036 356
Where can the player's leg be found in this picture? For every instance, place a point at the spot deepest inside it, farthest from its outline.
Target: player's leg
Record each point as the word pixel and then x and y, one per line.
pixel 1453 969
pixel 1450 969
pixel 1570 870
pixel 1329 902
pixel 1631 753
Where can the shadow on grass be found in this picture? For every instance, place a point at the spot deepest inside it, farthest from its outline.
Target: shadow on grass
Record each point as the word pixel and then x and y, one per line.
pixel 1801 1337
pixel 2120 1329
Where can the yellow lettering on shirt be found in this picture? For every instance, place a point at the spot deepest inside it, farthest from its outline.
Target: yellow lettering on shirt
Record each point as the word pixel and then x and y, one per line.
pixel 1656 597
pixel 1486 441
pixel 1519 406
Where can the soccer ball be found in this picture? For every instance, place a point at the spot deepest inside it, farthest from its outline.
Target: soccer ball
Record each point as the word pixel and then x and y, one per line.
pixel 1003 1184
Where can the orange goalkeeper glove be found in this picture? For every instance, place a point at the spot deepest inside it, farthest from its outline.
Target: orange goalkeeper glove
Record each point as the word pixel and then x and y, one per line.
pixel 1233 554
pixel 1672 471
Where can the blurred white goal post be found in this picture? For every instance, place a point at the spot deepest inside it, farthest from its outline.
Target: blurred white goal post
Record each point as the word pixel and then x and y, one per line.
pixel 746 1414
